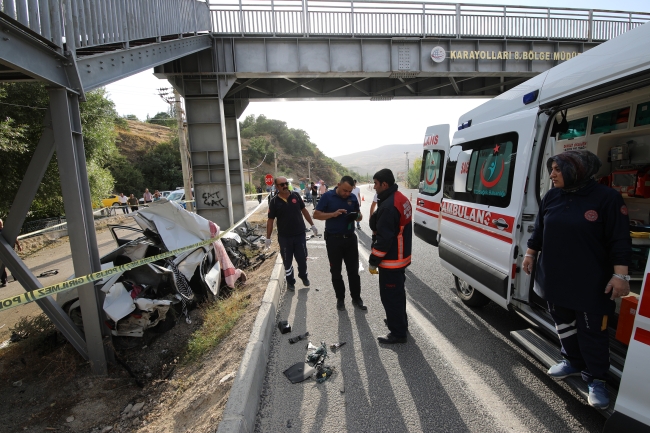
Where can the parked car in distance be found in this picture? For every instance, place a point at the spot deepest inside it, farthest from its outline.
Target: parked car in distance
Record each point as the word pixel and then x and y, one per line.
pixel 111 200
pixel 178 196
pixel 164 194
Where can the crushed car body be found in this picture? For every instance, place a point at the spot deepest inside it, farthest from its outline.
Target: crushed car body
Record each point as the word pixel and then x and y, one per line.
pixel 142 298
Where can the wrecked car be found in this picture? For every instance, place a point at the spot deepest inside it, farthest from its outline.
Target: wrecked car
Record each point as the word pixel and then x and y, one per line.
pixel 142 298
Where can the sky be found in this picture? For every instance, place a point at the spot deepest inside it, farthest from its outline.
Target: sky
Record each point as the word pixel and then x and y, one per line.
pixel 342 127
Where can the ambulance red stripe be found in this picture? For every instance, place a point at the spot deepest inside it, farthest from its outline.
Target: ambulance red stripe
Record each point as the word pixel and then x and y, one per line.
pixel 427 212
pixel 642 336
pixel 480 230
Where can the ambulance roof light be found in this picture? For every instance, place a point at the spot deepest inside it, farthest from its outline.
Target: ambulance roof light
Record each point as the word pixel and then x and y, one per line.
pixel 465 125
pixel 531 97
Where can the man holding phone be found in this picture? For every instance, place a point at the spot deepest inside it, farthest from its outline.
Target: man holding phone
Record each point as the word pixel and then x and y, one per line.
pixel 339 208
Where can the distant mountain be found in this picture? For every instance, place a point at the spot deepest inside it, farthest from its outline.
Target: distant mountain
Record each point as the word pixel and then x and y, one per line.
pixel 391 156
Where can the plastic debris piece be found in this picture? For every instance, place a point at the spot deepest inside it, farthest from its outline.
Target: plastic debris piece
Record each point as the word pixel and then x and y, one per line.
pixel 336 346
pixel 311 346
pixel 299 371
pixel 324 373
pixel 318 356
pixel 284 327
pixel 298 338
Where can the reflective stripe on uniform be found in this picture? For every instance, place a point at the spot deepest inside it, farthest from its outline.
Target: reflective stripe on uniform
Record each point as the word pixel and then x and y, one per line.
pixel 395 264
pixel 378 253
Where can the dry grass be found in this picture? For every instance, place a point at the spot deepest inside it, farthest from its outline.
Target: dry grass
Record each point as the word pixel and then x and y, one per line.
pixel 218 319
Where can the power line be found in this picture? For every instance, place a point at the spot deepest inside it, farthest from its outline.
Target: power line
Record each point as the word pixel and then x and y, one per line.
pixel 24 106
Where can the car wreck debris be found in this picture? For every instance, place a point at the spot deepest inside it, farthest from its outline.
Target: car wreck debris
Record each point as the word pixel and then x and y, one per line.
pixel 298 338
pixel 153 295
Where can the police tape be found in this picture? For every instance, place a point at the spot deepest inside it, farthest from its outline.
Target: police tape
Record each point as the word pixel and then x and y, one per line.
pixel 35 295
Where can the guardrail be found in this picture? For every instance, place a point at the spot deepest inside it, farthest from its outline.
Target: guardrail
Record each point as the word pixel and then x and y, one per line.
pixel 89 23
pixel 421 19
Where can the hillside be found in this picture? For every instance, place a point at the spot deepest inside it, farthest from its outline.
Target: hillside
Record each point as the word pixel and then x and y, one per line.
pixel 140 138
pixel 298 157
pixel 391 156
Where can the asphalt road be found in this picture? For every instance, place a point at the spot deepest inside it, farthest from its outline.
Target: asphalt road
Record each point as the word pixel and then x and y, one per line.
pixel 459 370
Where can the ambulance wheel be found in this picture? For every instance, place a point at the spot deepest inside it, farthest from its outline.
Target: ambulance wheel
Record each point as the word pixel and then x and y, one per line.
pixel 469 295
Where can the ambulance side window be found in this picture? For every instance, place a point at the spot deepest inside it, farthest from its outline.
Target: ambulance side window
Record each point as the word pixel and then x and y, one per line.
pixel 431 170
pixel 450 173
pixel 490 171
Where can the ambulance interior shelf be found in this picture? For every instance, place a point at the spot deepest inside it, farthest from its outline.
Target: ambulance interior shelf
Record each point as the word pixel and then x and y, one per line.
pixel 629 174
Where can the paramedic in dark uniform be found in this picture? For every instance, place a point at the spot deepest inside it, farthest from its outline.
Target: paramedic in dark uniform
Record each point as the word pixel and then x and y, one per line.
pixel 391 253
pixel 289 209
pixel 336 208
pixel 582 233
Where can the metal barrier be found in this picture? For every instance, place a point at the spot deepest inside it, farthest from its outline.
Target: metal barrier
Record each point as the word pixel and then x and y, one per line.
pixel 90 23
pixel 422 19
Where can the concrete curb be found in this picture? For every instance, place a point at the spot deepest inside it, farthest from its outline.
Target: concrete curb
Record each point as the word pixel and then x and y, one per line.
pixel 241 409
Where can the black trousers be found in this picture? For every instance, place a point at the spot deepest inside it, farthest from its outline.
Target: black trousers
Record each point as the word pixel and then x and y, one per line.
pixel 344 250
pixel 584 339
pixel 393 298
pixel 294 247
pixel 3 274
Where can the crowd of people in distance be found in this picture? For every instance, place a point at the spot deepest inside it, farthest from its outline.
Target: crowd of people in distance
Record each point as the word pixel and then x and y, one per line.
pixel 131 202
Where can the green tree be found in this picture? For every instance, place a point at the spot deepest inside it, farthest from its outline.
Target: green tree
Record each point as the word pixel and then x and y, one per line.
pixel 161 167
pixel 163 119
pixel 22 113
pixel 128 177
pixel 414 173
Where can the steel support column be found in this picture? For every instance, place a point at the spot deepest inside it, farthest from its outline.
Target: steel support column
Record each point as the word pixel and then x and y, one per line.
pixel 66 123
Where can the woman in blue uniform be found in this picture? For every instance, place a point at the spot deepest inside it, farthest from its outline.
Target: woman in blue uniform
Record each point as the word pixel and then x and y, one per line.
pixel 583 236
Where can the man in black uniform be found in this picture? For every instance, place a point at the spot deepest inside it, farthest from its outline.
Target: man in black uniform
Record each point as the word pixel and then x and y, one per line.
pixel 289 209
pixel 314 194
pixel 391 253
pixel 339 209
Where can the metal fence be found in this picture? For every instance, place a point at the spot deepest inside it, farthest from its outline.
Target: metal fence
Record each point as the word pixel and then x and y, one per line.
pixel 422 19
pixel 38 225
pixel 88 23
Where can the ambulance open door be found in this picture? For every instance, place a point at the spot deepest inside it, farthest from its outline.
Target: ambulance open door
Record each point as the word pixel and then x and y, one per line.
pixel 427 210
pixel 632 410
pixel 481 212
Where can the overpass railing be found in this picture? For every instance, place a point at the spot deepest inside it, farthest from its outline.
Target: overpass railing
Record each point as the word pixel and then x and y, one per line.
pixel 421 19
pixel 91 23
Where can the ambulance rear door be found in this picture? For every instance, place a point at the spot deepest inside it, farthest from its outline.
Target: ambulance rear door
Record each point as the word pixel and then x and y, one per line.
pixel 632 410
pixel 435 151
pixel 480 219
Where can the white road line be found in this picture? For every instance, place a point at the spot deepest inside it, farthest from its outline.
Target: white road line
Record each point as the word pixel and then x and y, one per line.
pixel 490 401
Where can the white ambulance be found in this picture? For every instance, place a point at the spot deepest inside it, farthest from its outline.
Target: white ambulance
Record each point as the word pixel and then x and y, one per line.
pixel 480 194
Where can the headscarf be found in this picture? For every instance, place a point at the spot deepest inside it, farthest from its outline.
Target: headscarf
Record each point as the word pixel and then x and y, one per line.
pixel 577 166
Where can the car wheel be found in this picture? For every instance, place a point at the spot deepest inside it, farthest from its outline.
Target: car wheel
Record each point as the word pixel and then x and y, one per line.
pixel 116 204
pixel 74 312
pixel 469 295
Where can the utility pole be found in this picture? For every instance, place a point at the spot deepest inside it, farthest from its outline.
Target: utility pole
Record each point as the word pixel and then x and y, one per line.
pixel 406 176
pixel 249 170
pixel 275 160
pixel 309 169
pixel 183 148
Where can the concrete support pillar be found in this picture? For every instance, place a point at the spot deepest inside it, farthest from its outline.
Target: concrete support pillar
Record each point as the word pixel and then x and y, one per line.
pixel 213 133
pixel 215 149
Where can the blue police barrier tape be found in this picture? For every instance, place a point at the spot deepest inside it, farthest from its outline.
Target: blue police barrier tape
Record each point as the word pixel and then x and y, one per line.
pixel 34 295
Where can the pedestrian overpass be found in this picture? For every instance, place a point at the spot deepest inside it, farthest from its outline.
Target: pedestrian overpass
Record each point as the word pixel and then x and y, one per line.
pixel 220 55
